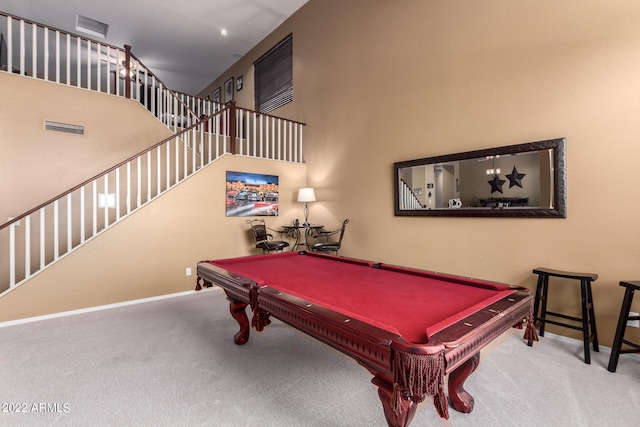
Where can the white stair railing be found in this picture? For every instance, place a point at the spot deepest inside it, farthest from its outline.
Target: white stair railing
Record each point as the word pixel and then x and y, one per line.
pixel 41 236
pixel 268 137
pixel 46 233
pixel 408 200
pixel 204 131
pixel 37 51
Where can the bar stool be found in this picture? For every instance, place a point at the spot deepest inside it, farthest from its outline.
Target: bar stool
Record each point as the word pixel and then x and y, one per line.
pixel 588 319
pixel 616 350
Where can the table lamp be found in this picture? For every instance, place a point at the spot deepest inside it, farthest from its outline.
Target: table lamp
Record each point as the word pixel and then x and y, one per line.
pixel 306 195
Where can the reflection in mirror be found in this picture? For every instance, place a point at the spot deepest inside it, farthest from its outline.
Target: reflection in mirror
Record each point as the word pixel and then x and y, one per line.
pixel 524 180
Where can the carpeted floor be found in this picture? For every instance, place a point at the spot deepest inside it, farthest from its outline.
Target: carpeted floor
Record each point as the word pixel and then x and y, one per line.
pixel 173 362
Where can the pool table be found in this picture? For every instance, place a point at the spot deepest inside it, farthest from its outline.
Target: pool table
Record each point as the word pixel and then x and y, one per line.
pixel 408 327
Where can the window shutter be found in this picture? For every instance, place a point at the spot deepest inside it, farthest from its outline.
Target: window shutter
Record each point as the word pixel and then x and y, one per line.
pixel 273 77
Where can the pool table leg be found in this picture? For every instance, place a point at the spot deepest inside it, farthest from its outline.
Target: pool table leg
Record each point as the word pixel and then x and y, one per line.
pixel 407 407
pixel 238 312
pixel 460 399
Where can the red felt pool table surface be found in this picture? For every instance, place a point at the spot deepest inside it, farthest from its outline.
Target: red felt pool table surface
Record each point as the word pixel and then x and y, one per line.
pixel 412 303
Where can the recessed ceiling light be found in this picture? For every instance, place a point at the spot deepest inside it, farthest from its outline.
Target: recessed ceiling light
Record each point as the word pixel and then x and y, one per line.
pixel 91 26
pixel 224 32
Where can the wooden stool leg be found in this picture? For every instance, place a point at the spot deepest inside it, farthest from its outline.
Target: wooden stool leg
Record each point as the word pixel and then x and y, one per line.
pixel 536 301
pixel 544 297
pixel 592 319
pixel 585 322
pixel 536 304
pixel 622 324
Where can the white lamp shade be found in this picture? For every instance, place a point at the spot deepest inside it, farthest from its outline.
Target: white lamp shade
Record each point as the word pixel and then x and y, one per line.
pixel 306 195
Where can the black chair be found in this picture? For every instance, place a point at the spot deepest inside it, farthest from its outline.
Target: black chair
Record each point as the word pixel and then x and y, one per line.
pixel 264 239
pixel 324 244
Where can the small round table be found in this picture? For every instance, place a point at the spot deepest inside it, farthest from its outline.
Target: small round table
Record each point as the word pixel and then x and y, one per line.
pixel 293 231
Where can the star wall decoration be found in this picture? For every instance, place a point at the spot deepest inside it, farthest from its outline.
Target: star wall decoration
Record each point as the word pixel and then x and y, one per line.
pixel 515 178
pixel 496 183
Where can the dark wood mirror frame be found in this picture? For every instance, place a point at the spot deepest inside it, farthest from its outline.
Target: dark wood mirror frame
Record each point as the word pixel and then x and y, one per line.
pixel 558 205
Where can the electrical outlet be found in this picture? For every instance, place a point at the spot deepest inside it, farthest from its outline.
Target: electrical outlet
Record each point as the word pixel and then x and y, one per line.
pixel 188 271
pixel 633 323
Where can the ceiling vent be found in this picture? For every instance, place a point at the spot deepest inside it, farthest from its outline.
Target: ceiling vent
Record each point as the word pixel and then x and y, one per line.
pixel 63 127
pixel 91 26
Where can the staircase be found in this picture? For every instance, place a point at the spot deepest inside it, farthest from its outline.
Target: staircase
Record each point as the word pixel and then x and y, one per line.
pixel 203 132
pixel 408 199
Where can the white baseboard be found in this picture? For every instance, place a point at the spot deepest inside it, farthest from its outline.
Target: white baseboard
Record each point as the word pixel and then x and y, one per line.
pixel 97 308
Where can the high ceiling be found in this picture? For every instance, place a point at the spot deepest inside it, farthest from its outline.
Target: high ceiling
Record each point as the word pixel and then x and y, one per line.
pixel 180 41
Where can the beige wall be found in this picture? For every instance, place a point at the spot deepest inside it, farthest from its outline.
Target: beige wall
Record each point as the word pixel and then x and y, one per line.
pixel 41 164
pixel 147 254
pixel 380 81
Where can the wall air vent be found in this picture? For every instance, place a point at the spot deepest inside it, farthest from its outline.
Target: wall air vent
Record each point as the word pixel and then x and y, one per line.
pixel 91 26
pixel 63 127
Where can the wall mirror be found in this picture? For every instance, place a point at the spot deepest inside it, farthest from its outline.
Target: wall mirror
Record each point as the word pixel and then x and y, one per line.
pixel 524 180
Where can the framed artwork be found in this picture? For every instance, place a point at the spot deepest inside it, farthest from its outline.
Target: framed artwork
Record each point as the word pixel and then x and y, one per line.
pixel 216 95
pixel 239 84
pixel 251 194
pixel 228 90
